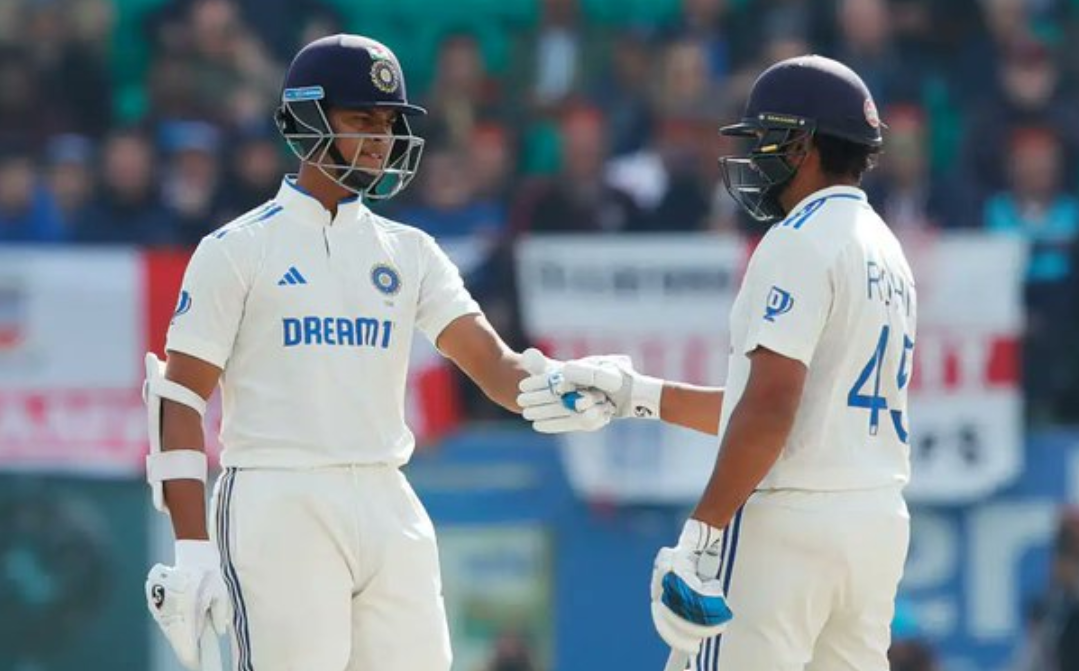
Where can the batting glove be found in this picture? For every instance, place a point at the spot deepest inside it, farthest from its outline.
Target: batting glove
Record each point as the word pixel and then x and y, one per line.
pixel 188 597
pixel 633 394
pixel 688 603
pixel 574 385
pixel 555 406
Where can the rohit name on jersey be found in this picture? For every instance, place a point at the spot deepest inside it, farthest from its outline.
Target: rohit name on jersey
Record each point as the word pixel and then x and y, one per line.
pixel 887 286
pixel 340 331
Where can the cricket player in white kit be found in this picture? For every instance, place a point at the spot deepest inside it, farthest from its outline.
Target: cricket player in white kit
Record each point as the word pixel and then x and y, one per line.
pixel 321 558
pixel 804 512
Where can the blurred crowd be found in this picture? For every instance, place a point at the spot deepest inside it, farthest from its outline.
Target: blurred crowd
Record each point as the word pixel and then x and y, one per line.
pixel 149 122
pixel 1052 636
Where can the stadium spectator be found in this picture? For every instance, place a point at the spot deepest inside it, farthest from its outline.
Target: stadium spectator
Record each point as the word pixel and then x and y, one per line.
pixel 28 211
pixel 974 47
pixel 25 115
pixel 71 72
pixel 558 57
pixel 127 208
pixel 685 87
pixel 1029 94
pixel 705 22
pixel 70 167
pixel 206 56
pixel 902 189
pixel 462 94
pixel 254 171
pixel 578 199
pixel 1037 209
pixel 674 179
pixel 623 92
pixel 448 207
pixel 867 46
pixel 1037 206
pixel 191 183
pixel 492 158
pixel 285 25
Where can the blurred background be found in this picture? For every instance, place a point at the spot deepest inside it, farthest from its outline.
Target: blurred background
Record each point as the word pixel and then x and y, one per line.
pixel 570 170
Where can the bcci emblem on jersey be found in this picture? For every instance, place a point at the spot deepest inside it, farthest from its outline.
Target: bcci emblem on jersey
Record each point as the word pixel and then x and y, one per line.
pixel 779 303
pixel 386 279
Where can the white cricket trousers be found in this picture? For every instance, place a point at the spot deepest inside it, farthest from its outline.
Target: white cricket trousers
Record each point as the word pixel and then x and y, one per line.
pixel 811 578
pixel 330 569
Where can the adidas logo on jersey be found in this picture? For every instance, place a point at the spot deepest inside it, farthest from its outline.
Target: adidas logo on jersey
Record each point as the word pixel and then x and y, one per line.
pixel 293 276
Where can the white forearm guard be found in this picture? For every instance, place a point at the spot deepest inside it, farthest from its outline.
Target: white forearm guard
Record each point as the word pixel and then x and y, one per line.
pixel 171 464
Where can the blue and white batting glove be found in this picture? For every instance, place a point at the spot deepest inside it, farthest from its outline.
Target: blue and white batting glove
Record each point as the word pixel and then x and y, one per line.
pixel 553 404
pixel 688 603
pixel 585 394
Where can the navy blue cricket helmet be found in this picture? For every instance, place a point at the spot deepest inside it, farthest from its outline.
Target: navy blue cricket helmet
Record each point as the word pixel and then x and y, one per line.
pixel 791 101
pixel 349 72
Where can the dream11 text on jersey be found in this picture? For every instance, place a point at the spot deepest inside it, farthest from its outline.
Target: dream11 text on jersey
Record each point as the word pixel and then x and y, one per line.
pixel 345 331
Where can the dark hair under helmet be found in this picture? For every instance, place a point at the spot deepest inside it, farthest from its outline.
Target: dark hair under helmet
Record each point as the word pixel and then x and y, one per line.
pixel 349 72
pixel 790 101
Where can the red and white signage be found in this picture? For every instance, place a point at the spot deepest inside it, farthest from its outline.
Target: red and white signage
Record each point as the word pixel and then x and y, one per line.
pixel 74 325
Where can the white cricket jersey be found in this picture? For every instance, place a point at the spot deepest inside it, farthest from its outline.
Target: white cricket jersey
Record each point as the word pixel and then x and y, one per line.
pixel 830 287
pixel 312 321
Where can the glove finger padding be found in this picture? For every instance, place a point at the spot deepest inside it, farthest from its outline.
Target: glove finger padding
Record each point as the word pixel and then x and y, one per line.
pixel 591 419
pixel 556 407
pixel 596 374
pixel 535 362
pixel 678 633
pixel 531 399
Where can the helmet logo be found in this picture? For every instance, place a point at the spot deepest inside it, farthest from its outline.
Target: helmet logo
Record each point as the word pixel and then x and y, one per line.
pixel 384 76
pixel 781 119
pixel 871 116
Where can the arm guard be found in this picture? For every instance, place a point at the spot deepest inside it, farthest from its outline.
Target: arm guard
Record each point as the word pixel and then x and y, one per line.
pixel 180 464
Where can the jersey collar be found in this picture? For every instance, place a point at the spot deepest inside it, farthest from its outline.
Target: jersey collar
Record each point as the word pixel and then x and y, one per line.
pixel 841 191
pixel 303 205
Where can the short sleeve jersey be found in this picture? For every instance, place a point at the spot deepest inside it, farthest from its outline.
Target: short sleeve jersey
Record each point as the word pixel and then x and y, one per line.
pixel 830 287
pixel 311 320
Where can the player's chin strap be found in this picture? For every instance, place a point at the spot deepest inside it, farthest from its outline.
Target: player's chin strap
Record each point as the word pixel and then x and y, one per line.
pixel 180 464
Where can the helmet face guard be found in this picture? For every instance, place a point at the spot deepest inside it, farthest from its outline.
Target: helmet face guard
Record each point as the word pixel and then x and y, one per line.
pixel 755 180
pixel 303 122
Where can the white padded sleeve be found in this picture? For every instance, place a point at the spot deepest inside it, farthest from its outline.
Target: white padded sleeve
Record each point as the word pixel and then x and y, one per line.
pixel 173 464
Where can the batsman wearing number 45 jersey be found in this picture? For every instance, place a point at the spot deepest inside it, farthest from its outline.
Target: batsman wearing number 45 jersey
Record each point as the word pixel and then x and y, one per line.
pixel 318 556
pixel 792 556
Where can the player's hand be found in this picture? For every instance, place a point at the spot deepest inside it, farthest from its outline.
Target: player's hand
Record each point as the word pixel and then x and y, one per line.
pixel 553 406
pixel 631 393
pixel 688 603
pixel 187 597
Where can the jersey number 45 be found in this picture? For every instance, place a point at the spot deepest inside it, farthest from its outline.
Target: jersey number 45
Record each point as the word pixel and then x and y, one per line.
pixel 858 397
